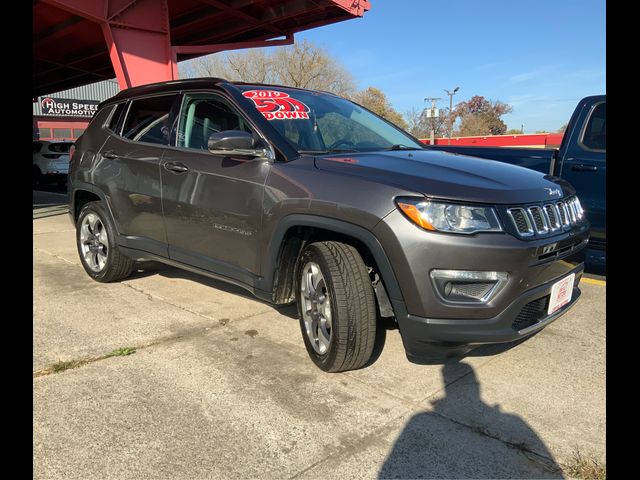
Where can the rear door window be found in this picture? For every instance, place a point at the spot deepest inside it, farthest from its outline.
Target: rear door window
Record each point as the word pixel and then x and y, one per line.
pixel 149 120
pixel 595 133
pixel 115 123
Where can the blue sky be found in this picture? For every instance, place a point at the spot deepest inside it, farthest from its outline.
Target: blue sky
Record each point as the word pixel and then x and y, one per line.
pixel 539 56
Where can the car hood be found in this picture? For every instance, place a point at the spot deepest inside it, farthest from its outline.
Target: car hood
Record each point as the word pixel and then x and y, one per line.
pixel 449 176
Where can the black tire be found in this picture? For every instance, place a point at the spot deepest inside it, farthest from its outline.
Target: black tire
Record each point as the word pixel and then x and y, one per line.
pixel 37 178
pixel 353 307
pixel 117 266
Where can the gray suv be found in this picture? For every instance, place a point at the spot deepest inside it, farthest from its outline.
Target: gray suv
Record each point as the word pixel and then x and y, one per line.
pixel 304 196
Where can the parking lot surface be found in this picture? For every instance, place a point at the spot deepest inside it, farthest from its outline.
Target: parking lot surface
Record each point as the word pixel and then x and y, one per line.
pixel 220 386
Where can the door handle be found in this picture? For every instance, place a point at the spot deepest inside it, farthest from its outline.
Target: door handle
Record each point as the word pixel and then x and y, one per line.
pixel 584 168
pixel 176 167
pixel 111 155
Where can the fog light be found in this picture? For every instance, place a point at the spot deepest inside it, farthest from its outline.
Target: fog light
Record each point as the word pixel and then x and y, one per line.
pixel 467 286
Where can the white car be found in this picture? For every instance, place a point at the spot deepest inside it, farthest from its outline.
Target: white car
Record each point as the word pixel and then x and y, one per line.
pixel 50 162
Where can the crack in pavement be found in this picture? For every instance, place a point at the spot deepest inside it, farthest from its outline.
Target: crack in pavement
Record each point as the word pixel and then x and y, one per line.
pixel 49 233
pixel 55 256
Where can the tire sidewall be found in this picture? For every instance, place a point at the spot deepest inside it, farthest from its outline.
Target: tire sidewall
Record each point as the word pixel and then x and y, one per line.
pixel 326 360
pixel 97 209
pixel 37 177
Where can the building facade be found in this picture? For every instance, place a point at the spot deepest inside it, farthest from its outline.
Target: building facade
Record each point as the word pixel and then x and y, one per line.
pixel 65 115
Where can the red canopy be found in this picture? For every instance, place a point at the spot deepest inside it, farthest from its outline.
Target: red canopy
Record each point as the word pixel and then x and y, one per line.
pixel 77 42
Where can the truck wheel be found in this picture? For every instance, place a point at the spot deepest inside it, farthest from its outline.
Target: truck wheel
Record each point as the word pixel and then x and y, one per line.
pixel 336 306
pixel 96 240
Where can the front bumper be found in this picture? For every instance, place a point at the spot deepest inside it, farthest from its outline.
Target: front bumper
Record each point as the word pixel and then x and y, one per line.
pixel 423 336
pixel 425 319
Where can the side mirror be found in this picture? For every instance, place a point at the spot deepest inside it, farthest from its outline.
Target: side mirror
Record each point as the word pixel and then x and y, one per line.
pixel 238 143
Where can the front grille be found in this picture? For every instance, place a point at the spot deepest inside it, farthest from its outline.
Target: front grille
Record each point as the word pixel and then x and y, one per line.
pixel 552 215
pixel 531 314
pixel 540 220
pixel 521 221
pixel 562 211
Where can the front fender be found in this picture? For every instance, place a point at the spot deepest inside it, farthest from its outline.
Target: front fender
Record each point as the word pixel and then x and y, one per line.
pixel 270 260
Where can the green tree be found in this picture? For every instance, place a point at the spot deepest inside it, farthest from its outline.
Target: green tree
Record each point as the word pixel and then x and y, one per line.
pixel 479 116
pixel 562 128
pixel 376 101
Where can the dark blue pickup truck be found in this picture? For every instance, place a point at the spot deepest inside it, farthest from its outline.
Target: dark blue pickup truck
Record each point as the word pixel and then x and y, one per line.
pixel 581 160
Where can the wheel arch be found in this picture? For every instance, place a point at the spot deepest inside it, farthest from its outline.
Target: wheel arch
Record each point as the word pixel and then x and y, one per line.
pixel 295 231
pixel 84 193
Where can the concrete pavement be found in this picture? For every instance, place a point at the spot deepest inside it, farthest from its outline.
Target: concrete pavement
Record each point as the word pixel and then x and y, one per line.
pixel 221 387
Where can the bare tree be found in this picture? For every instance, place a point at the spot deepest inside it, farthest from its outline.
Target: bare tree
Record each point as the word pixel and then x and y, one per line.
pixel 305 65
pixel 250 66
pixel 420 126
pixel 301 65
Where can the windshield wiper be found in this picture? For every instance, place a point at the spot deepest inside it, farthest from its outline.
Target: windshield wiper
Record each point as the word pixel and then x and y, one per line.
pixel 399 146
pixel 333 150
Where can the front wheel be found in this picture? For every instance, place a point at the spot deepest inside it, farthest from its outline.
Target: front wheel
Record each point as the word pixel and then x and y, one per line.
pixel 336 306
pixel 96 240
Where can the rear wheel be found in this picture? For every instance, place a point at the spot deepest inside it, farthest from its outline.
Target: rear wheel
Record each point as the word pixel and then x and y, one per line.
pixel 99 253
pixel 336 306
pixel 36 178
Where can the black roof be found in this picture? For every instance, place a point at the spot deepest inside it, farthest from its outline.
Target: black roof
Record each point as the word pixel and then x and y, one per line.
pixel 159 87
pixel 188 83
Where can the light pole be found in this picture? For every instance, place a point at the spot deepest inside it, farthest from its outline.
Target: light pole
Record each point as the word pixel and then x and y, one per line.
pixel 451 94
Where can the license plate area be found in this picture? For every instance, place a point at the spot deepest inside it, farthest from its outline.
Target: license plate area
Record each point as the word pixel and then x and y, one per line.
pixel 561 293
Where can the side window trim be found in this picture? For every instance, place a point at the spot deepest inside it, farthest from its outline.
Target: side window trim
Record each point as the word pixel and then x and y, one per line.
pixel 584 129
pixel 119 123
pixel 123 118
pixel 217 94
pixel 178 113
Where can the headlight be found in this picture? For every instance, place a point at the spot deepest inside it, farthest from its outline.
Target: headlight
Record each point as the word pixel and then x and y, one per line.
pixel 449 217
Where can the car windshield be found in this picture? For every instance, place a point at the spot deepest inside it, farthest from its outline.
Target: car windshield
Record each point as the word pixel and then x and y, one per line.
pixel 317 122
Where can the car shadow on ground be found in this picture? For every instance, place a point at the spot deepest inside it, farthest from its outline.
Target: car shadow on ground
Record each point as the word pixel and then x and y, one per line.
pixel 459 438
pixel 145 269
pixel 48 204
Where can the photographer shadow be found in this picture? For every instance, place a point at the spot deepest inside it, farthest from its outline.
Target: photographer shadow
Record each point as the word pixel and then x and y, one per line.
pixel 463 437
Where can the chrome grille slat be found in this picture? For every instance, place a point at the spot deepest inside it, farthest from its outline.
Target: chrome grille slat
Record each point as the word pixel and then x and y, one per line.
pixel 572 211
pixel 539 220
pixel 561 213
pixel 548 218
pixel 552 216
